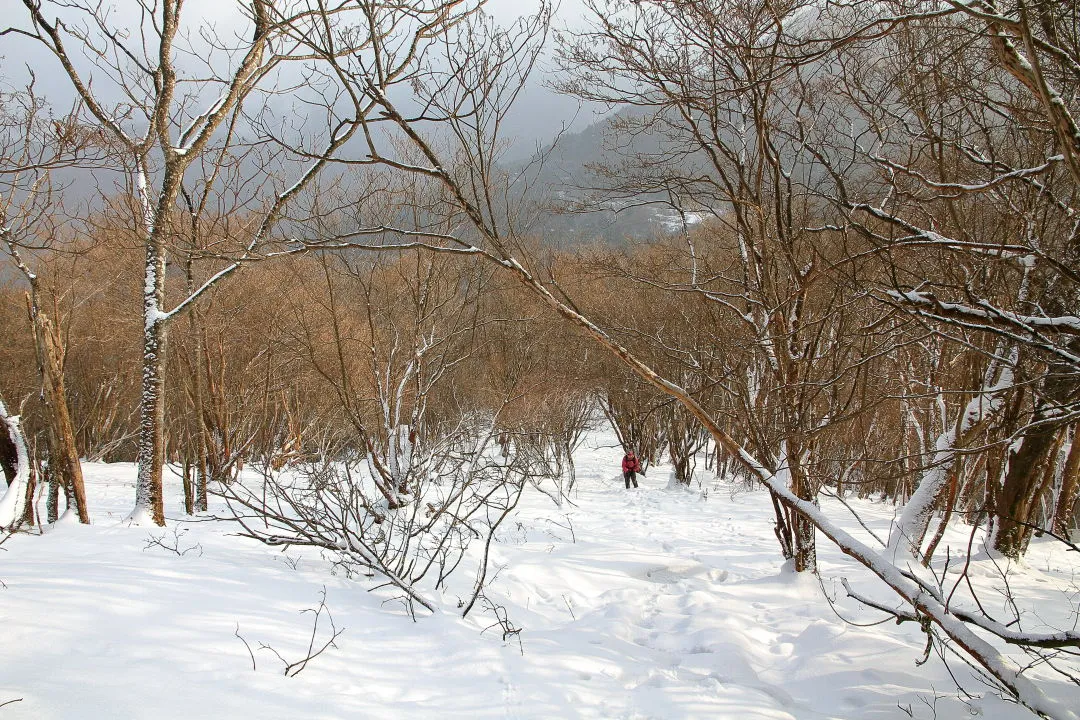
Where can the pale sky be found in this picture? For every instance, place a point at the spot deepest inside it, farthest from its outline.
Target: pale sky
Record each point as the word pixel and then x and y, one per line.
pixel 538 116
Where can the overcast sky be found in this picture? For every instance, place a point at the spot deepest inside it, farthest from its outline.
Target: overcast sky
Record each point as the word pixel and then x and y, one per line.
pixel 538 116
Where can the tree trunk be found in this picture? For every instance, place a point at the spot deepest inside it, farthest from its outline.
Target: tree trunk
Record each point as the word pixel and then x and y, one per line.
pixel 950 505
pixel 782 528
pixel 198 398
pixel 803 531
pixel 1070 484
pixel 189 488
pixel 52 502
pixel 65 468
pixel 1018 494
pixel 14 501
pixel 28 518
pixel 1026 477
pixel 680 461
pixel 910 529
pixel 148 495
pixel 571 469
pixel 9 456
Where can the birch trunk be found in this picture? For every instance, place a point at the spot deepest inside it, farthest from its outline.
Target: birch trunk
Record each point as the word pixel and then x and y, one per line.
pixel 151 455
pixel 13 504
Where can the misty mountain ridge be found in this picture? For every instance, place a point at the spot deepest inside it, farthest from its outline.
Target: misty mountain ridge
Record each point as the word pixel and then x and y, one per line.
pixel 567 182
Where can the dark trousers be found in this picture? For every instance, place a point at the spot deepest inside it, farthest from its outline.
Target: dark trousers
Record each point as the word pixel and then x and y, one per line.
pixel 630 477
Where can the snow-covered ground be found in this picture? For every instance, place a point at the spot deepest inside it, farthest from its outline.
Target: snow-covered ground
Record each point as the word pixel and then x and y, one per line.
pixel 649 603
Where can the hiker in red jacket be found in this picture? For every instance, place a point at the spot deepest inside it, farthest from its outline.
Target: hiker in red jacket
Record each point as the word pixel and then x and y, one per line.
pixel 630 467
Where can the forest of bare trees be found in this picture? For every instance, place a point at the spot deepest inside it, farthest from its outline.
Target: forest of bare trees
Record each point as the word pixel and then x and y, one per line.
pixel 298 247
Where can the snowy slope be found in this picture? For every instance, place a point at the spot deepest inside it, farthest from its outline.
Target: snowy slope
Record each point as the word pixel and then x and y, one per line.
pixel 654 603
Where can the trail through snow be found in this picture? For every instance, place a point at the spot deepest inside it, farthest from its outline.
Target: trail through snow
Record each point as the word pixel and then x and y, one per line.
pixel 648 603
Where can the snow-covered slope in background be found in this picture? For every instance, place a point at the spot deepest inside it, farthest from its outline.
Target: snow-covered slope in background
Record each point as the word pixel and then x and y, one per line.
pixel 649 603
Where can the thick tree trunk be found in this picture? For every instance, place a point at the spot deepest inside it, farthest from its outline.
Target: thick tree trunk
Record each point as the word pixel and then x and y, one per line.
pixel 148 492
pixel 1020 490
pixel 149 505
pixel 1025 479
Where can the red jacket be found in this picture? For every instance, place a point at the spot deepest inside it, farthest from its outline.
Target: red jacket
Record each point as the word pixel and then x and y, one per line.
pixel 630 463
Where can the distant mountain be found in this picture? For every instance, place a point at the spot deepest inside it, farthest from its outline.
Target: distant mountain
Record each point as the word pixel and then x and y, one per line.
pixel 571 198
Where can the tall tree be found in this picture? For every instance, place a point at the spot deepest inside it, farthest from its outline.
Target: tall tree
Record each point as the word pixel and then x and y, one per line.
pixel 471 188
pixel 35 146
pixel 179 121
pixel 956 168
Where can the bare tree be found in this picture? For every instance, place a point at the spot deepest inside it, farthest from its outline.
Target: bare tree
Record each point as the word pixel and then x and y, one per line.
pixel 420 480
pixel 959 157
pixel 718 89
pixel 34 146
pixel 490 239
pixel 177 124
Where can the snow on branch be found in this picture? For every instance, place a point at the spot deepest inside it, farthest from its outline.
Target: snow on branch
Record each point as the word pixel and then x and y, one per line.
pixel 924 604
pixel 984 311
pixel 906 537
pixel 957 189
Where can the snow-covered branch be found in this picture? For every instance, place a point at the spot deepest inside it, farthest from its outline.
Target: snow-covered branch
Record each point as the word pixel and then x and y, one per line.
pixel 907 535
pixel 985 311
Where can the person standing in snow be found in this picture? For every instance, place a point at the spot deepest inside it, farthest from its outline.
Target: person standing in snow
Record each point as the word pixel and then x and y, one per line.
pixel 630 468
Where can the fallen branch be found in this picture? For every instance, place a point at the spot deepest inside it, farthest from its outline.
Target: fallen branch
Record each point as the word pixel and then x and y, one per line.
pixel 237 634
pixel 292 669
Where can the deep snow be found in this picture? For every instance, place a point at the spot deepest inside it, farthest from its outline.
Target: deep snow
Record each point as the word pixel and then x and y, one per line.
pixel 648 603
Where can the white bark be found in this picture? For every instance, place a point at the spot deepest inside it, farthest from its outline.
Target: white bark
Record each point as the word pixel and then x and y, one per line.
pixel 13 504
pixel 148 491
pixel 908 532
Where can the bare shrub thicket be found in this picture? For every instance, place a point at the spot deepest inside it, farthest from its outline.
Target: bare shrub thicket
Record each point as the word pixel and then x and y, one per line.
pixel 422 476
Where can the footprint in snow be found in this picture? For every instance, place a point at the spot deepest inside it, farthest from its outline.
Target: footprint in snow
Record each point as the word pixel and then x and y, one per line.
pixel 719 576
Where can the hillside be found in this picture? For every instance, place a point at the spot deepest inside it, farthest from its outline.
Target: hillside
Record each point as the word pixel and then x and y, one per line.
pixel 654 603
pixel 566 185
